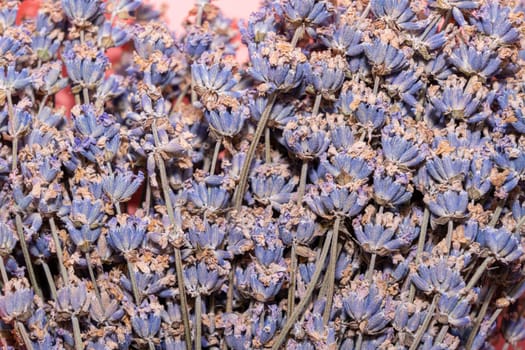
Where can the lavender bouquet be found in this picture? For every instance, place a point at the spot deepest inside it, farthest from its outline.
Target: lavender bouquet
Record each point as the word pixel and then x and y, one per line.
pixel 358 183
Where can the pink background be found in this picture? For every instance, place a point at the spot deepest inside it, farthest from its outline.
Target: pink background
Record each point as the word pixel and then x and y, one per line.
pixel 177 10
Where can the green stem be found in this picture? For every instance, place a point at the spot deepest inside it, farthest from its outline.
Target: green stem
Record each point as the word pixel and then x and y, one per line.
pixel 450 229
pixel 479 271
pixel 426 323
pixel 229 294
pixel 200 12
pixel 497 214
pixel 50 280
pixel 442 333
pixel 177 253
pixel 27 257
pixel 3 271
pixel 11 113
pixel 133 279
pixel 306 299
pixel 93 279
pixel 331 271
pixel 198 321
pixel 420 247
pixel 243 177
pixel 25 337
pixel 267 146
pixel 359 341
pixel 218 145
pixel 58 247
pixel 293 278
pixel 297 35
pixel 302 182
pixel 42 104
pixel 76 333
pixel 317 104
pixel 370 271
pixel 85 95
pixel 376 84
pixel 481 315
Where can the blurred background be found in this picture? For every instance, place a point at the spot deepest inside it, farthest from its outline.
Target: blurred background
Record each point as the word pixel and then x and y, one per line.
pixel 176 10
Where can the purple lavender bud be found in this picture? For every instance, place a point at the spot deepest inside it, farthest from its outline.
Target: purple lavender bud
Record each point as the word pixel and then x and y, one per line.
pixel 174 344
pixel 85 221
pixel 469 61
pixel 153 284
pixel 215 79
pixel 16 305
pixel 306 144
pixel 347 169
pixel 457 7
pixel 126 236
pixel 447 169
pixel 454 310
pixel 227 123
pixel 367 304
pixel 107 311
pixel 49 79
pixel 459 104
pixel 396 13
pixel 209 198
pixel 257 28
pixel 272 190
pixel 146 325
pixel 302 233
pixel 405 322
pixel 326 74
pixel 8 240
pixel 202 279
pixel 121 185
pixel 514 330
pixel 280 115
pixel 11 80
pixel 438 68
pixel 7 17
pixel 309 13
pixel 282 75
pixel 438 278
pixel 375 238
pixel 265 283
pixel 197 42
pixel 73 300
pixel 369 116
pixel 391 192
pixel 85 68
pixel 335 201
pixel 344 39
pixel 401 151
pixel 342 137
pixel 449 205
pixel 384 58
pixel 124 7
pixel 405 85
pixel 111 87
pixel 266 323
pixel 21 123
pixel 493 21
pixel 82 13
pixel 112 36
pixel 478 182
pixel 502 244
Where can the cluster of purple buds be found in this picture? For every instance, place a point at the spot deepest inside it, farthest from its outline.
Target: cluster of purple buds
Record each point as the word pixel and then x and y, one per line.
pixel 357 183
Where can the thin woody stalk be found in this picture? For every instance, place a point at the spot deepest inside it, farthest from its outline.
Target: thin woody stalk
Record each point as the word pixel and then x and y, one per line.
pixel 243 177
pixel 426 323
pixel 306 299
pixel 3 271
pixel 198 321
pixel 27 257
pixel 331 272
pixel 177 253
pixel 58 247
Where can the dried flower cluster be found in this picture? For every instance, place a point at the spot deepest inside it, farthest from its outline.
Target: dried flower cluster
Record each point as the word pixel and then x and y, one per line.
pixel 357 184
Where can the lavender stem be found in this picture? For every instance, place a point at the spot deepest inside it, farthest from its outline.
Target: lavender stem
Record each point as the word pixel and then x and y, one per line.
pixel 306 299
pixel 331 271
pixel 27 257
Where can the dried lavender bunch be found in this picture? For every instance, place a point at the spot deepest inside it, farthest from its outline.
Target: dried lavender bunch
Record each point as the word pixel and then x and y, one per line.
pixel 383 208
